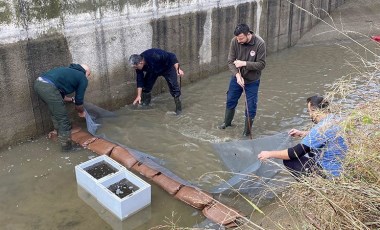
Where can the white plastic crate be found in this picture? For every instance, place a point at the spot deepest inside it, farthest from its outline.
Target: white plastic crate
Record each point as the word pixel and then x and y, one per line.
pixel 128 205
pixel 136 220
pixel 87 181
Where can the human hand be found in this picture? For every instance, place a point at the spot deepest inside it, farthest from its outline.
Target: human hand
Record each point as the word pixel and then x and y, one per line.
pixel 69 99
pixel 239 63
pixel 180 72
pixel 240 80
pixel 137 100
pixel 296 133
pixel 82 114
pixel 264 155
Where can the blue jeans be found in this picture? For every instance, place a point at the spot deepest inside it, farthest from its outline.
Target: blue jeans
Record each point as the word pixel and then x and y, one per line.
pixel 251 90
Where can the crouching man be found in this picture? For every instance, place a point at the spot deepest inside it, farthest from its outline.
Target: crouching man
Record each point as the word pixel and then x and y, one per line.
pixel 321 150
pixel 53 87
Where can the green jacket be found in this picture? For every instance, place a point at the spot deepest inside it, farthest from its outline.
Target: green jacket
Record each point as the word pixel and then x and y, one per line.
pixel 254 53
pixel 68 80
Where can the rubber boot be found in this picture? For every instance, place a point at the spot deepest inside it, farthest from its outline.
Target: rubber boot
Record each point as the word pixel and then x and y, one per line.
pixel 247 127
pixel 228 117
pixel 146 98
pixel 70 146
pixel 178 105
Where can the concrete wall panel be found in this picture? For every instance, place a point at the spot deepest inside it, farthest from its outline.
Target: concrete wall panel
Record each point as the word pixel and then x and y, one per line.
pixel 332 5
pixel 273 25
pixel 306 18
pixel 316 11
pixel 284 25
pixel 260 10
pixel 324 8
pixel 23 114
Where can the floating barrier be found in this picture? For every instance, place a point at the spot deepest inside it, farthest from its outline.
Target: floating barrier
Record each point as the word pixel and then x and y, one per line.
pixel 221 214
pixel 83 138
pixel 123 156
pixel 101 147
pixel 211 208
pixel 194 197
pixel 145 170
pixel 166 183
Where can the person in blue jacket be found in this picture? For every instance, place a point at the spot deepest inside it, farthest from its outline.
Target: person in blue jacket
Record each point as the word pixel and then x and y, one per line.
pixel 321 150
pixel 53 87
pixel 151 64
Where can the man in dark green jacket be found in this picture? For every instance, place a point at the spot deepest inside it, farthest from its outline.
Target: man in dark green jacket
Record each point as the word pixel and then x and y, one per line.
pixel 246 60
pixel 53 86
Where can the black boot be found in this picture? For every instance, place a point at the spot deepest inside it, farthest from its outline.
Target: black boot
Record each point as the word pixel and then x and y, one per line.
pixel 146 98
pixel 228 117
pixel 247 127
pixel 178 105
pixel 70 146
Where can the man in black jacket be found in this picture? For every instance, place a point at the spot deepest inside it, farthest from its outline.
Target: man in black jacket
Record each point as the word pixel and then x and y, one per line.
pixel 155 63
pixel 53 86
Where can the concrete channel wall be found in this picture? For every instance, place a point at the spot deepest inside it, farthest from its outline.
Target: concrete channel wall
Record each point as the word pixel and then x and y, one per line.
pixel 36 36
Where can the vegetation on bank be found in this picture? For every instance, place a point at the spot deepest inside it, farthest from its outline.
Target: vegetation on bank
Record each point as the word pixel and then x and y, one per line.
pixel 351 201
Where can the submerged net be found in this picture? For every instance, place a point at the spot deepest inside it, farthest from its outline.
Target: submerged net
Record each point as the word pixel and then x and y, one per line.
pixel 249 174
pixel 240 157
pixel 94 115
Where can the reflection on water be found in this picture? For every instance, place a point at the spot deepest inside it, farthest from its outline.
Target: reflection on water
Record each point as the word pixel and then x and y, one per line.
pixel 38 188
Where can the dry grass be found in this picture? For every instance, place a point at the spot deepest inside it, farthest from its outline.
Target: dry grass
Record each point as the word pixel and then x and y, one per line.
pixel 351 201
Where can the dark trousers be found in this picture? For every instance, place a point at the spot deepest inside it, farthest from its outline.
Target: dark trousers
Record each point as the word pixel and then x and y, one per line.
pixel 235 91
pixel 53 98
pixel 303 166
pixel 170 77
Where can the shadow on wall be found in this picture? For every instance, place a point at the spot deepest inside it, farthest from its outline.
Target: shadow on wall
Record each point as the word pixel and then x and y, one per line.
pixel 20 64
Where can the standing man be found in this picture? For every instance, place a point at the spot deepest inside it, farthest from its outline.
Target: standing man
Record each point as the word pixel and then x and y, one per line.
pixel 246 60
pixel 155 63
pixel 325 147
pixel 53 86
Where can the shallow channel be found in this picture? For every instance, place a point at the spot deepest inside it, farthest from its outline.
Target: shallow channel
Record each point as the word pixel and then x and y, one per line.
pixel 38 187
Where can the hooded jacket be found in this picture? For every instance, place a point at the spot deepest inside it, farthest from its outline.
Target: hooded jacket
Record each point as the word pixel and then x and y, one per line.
pixel 68 80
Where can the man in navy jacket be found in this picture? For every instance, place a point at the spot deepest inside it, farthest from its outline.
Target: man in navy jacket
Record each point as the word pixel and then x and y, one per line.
pixel 151 64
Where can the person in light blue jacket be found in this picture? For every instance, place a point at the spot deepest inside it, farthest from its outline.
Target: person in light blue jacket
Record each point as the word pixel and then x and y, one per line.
pixel 321 150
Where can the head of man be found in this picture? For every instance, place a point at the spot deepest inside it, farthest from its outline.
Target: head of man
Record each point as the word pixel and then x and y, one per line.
pixel 243 34
pixel 137 61
pixel 317 107
pixel 88 71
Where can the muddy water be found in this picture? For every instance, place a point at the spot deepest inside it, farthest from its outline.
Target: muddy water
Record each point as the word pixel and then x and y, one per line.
pixel 38 188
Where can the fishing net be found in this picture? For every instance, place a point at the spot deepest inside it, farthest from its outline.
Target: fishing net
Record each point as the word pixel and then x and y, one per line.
pixel 240 157
pixel 94 119
pixel 249 174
